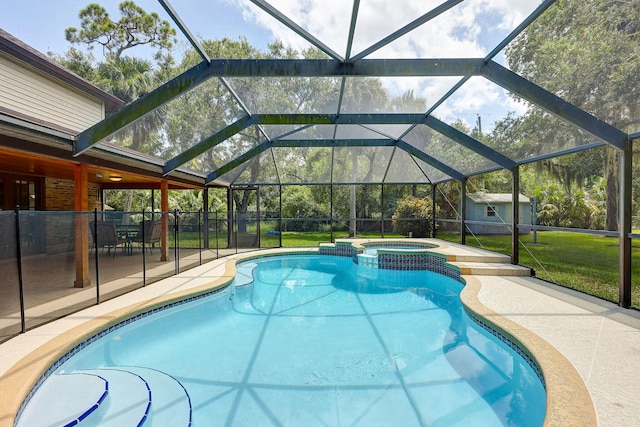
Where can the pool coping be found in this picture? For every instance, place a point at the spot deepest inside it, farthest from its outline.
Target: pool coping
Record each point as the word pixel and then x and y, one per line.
pixel 569 402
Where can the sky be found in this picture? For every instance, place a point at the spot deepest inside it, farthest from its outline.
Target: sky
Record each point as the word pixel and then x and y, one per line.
pixel 470 29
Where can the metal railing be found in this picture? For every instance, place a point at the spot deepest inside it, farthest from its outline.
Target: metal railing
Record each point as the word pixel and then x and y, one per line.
pixel 56 263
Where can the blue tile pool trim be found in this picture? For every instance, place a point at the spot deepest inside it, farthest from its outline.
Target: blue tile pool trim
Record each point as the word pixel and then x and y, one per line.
pixel 345 249
pixel 186 393
pixel 413 261
pixel 514 346
pixel 409 260
pixel 105 332
pixel 145 416
pixel 88 412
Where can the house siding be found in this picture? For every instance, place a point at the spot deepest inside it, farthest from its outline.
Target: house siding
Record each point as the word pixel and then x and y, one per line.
pixel 499 224
pixel 28 93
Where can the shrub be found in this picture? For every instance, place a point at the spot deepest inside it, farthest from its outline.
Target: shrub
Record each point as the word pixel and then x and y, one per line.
pixel 413 215
pixel 300 211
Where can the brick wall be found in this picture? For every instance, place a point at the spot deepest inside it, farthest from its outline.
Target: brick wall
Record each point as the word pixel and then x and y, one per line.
pixel 59 195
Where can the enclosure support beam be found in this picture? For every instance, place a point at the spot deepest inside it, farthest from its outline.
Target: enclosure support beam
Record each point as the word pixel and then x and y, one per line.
pixel 554 104
pixel 229 218
pixel 434 211
pixel 208 143
pixel 280 217
pixel 331 212
pixel 382 210
pixel 353 223
pixel 469 142
pixel 407 28
pixel 238 161
pixel 205 220
pixel 624 225
pixel 419 154
pixel 132 112
pixel 463 211
pixel 515 201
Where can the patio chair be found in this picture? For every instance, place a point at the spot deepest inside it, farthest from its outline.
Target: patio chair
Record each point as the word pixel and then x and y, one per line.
pixel 152 234
pixel 107 237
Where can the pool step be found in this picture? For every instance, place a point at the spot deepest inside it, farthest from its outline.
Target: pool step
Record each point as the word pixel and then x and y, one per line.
pixel 244 273
pixel 83 394
pixel 368 260
pixel 491 269
pixel 127 404
pixel 170 402
pixel 118 396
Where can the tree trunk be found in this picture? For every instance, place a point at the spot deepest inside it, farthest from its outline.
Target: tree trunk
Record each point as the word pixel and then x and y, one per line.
pixel 362 209
pixel 241 211
pixel 371 156
pixel 611 168
pixel 243 206
pixel 128 203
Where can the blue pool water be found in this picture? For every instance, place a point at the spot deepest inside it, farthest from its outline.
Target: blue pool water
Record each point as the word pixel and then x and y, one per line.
pixel 318 341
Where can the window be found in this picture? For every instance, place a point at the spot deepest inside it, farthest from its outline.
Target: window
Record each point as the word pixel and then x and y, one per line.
pixel 491 211
pixel 25 194
pixel 20 191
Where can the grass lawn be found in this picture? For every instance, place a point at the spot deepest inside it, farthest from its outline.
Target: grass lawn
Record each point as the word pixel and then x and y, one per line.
pixel 585 262
pixel 295 239
pixel 290 239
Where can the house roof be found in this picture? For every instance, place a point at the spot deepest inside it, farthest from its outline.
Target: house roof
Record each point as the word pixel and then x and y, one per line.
pixel 21 134
pixel 496 198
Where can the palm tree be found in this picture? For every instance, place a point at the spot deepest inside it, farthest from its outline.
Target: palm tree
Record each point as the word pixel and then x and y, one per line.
pixel 129 78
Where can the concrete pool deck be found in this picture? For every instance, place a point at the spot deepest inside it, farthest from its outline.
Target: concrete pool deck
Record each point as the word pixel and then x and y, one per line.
pixel 598 340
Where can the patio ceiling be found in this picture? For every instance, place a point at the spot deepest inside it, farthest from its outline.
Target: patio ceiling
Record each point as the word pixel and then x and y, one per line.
pixel 359 143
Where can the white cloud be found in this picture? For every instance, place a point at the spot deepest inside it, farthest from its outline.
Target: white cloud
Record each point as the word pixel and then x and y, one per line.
pixel 457 32
pixel 479 97
pixel 512 11
pixel 468 30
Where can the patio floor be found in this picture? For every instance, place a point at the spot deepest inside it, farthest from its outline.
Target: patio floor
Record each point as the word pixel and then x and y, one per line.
pixel 601 340
pixel 48 282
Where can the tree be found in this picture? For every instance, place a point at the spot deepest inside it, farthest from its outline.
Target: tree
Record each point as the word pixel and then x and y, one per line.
pixel 413 217
pixel 126 77
pixel 587 53
pixel 135 28
pixel 300 204
pixel 366 94
pixel 578 209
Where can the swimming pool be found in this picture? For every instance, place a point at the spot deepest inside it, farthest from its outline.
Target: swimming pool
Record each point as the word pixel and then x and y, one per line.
pixel 319 340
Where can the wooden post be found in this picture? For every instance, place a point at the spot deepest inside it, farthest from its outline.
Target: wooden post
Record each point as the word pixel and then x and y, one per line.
pixel 81 226
pixel 164 207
